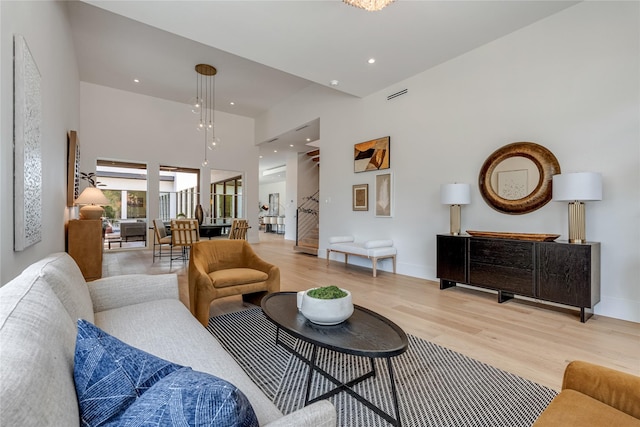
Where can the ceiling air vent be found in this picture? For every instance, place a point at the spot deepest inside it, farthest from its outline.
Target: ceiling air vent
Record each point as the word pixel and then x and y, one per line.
pixel 303 127
pixel 397 94
pixel 272 140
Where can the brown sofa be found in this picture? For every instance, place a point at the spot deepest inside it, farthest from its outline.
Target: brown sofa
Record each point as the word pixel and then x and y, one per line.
pixel 593 395
pixel 221 268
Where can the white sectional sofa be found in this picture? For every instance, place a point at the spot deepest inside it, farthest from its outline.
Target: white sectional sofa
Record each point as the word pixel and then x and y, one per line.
pixel 38 313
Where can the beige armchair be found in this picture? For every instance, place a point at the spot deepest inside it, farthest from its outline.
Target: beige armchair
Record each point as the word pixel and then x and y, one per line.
pixel 221 268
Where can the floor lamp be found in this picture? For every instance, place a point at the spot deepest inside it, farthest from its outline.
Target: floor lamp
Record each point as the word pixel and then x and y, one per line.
pixel 576 188
pixel 455 195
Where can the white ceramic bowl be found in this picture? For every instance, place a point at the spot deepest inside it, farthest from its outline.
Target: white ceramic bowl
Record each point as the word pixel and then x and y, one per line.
pixel 325 311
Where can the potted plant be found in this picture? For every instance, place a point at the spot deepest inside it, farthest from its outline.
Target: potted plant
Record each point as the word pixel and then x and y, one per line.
pixel 328 305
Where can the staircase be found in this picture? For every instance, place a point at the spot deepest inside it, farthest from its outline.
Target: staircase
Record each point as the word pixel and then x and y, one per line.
pixel 315 155
pixel 307 221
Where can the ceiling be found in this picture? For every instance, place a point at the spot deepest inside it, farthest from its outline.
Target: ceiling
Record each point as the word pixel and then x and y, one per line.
pixel 266 51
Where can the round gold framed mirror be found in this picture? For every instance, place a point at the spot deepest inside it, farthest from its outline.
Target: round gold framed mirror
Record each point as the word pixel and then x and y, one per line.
pixel 516 179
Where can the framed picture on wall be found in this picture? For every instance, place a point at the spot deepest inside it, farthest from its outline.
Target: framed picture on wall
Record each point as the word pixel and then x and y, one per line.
pixel 73 167
pixel 371 155
pixel 361 197
pixel 384 195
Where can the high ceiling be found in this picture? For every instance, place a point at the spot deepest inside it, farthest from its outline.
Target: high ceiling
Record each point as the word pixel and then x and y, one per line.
pixel 266 51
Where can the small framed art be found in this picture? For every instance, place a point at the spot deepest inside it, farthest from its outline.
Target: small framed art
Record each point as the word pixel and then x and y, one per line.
pixel 361 197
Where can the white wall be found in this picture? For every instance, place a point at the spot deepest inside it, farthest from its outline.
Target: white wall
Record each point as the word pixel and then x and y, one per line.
pixel 568 82
pixel 270 188
pixel 119 125
pixel 45 27
pixel 288 200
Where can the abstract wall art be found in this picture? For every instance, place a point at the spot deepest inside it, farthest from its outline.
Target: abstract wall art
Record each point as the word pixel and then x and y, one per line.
pixel 371 155
pixel 27 104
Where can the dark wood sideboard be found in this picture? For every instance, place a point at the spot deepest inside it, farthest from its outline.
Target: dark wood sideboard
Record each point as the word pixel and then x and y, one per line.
pixel 559 272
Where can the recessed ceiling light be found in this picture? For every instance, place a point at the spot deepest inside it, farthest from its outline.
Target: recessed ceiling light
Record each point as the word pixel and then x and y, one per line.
pixel 290 145
pixel 308 139
pixel 232 103
pixel 275 151
pixel 260 156
pixel 371 60
pixel 334 83
pixel 136 80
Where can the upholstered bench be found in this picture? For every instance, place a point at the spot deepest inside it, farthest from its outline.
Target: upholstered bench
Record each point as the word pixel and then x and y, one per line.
pixel 372 249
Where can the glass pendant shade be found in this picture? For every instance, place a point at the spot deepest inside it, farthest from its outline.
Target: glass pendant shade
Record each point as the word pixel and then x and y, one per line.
pixel 196 105
pixel 213 143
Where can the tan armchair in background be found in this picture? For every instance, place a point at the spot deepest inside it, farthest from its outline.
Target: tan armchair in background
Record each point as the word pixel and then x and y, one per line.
pixel 221 268
pixel 594 396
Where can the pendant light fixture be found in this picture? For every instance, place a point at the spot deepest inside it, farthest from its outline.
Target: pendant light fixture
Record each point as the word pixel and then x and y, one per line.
pixel 204 105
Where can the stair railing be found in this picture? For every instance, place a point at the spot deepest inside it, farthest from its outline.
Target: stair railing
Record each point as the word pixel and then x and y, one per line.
pixel 307 216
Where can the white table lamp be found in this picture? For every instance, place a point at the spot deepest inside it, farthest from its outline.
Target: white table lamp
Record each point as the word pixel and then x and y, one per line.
pixel 92 198
pixel 577 188
pixel 455 195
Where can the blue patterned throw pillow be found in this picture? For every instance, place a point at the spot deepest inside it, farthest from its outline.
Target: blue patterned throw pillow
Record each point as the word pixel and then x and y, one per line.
pixel 119 385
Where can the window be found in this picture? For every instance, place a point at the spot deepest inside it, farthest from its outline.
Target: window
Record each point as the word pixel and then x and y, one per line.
pixel 125 186
pixel 179 192
pixel 226 200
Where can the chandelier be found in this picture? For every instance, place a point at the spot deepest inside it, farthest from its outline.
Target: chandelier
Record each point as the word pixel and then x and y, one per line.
pixel 369 5
pixel 204 105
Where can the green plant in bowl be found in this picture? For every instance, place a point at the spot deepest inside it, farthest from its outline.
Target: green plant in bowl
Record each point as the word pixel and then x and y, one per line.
pixel 329 305
pixel 327 292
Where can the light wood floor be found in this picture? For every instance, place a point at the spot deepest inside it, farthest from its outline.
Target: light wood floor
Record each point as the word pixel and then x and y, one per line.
pixel 532 340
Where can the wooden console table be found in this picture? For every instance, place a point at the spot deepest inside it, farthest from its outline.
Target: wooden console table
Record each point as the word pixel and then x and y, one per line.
pixel 84 244
pixel 560 272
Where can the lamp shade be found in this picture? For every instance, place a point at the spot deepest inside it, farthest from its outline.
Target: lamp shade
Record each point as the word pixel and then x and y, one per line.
pixel 583 186
pixel 455 194
pixel 92 196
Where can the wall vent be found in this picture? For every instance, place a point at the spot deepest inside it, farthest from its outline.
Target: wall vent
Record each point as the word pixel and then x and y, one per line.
pixel 397 94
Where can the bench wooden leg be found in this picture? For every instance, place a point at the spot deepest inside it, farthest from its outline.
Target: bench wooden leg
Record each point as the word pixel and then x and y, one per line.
pixel 374 262
pixel 346 258
pixel 394 264
pixel 328 253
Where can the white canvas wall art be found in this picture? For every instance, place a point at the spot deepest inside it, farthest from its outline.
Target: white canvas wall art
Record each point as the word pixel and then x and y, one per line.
pixel 27 148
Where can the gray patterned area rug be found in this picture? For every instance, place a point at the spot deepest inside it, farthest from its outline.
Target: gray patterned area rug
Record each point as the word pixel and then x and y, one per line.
pixel 436 386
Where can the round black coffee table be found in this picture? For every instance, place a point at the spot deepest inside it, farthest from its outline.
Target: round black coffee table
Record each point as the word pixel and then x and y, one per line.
pixel 365 334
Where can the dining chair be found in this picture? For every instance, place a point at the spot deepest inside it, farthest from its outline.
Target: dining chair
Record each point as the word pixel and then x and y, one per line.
pixel 160 238
pixel 239 229
pixel 184 233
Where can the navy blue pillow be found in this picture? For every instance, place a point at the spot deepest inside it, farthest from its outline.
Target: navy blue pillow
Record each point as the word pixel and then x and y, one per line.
pixel 118 384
